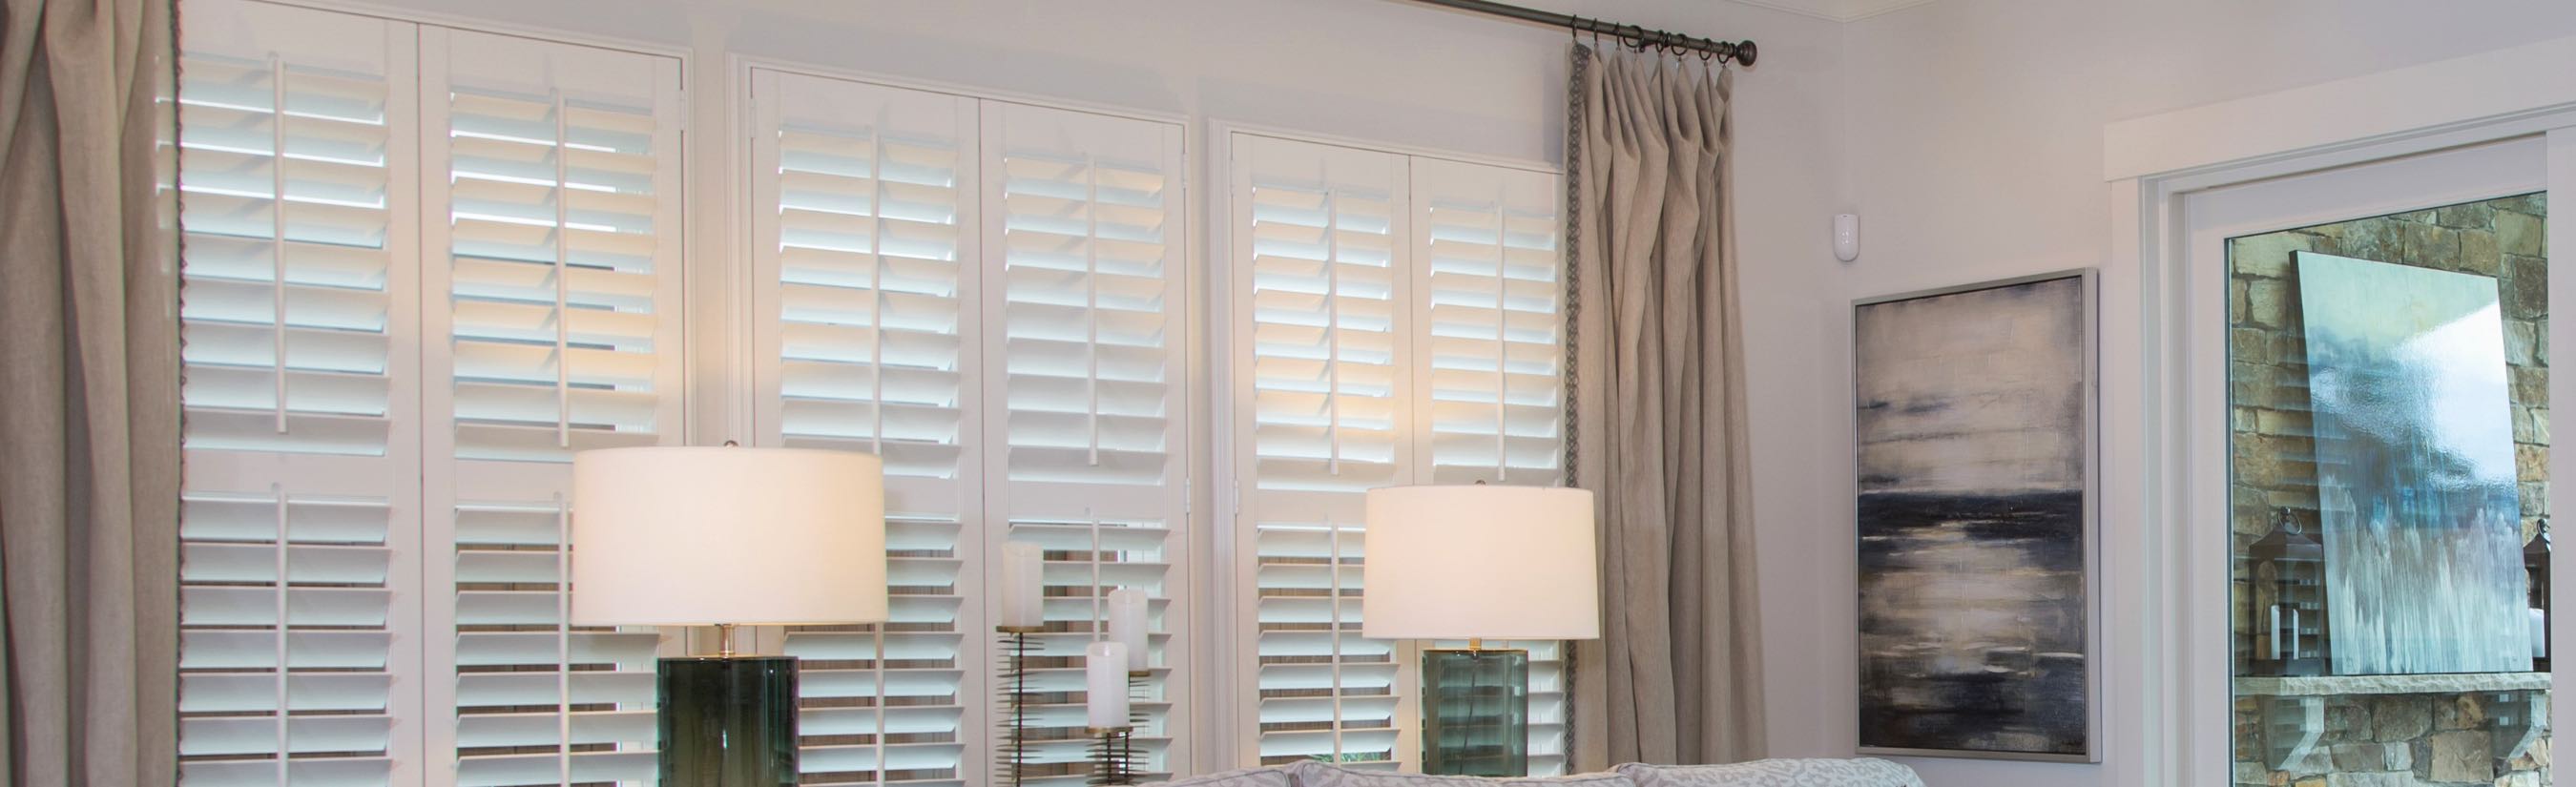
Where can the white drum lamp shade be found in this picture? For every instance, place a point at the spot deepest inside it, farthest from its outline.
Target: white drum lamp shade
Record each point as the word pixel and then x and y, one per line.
pixel 1491 562
pixel 696 536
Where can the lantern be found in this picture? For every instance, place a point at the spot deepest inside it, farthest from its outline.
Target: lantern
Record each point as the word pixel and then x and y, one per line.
pixel 2286 599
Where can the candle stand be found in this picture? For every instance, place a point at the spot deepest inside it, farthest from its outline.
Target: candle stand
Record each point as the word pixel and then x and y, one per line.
pixel 1011 756
pixel 1113 756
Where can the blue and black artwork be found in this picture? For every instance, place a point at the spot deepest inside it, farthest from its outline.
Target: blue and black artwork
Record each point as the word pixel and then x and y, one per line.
pixel 1973 422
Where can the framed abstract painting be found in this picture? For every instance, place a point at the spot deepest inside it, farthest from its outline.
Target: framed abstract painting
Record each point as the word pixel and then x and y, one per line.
pixel 1974 415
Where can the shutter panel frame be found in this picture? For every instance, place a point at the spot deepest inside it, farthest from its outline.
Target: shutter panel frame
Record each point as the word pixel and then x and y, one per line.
pixel 1331 275
pixel 809 132
pixel 1466 215
pixel 1475 402
pixel 296 531
pixel 1113 186
pixel 560 233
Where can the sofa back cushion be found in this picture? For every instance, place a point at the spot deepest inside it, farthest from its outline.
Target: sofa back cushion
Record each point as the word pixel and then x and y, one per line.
pixel 1863 772
pixel 1248 777
pixel 1323 774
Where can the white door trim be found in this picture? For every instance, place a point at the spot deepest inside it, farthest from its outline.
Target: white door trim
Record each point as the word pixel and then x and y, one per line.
pixel 2158 435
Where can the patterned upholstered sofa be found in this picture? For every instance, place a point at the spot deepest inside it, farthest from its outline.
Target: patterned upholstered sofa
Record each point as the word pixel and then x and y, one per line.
pixel 1762 773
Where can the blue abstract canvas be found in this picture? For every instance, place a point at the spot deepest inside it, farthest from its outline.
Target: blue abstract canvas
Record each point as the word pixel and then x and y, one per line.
pixel 2415 469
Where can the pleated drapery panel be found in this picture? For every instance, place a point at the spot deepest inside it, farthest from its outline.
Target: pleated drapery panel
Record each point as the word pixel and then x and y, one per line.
pixel 1658 414
pixel 89 422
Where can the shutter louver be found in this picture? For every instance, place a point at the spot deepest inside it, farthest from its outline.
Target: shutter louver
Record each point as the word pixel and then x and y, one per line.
pixel 556 224
pixel 298 516
pixel 865 227
pixel 1324 326
pixel 1491 348
pixel 1400 322
pixel 1084 403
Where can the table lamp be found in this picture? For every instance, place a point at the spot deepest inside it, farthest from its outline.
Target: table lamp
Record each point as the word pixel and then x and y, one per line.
pixel 697 536
pixel 1476 563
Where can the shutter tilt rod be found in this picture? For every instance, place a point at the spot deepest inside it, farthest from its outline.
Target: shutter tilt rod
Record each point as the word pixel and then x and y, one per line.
pixel 1741 52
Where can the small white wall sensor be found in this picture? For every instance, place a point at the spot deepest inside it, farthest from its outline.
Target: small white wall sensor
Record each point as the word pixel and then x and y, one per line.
pixel 1846 236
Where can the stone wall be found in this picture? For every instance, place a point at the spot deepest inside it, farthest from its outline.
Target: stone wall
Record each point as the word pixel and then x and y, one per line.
pixel 2400 740
pixel 2378 740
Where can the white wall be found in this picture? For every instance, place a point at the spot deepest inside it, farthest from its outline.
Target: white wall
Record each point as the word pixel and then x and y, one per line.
pixel 1975 152
pixel 1966 132
pixel 1379 70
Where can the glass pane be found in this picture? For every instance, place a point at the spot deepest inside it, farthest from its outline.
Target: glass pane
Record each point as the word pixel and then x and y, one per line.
pixel 2388 385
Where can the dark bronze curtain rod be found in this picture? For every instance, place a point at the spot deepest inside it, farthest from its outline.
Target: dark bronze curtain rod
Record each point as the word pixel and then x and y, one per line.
pixel 1741 52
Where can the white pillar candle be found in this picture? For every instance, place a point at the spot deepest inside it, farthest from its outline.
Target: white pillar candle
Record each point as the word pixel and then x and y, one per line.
pixel 2275 632
pixel 1105 684
pixel 2295 635
pixel 1022 586
pixel 1127 625
pixel 2539 633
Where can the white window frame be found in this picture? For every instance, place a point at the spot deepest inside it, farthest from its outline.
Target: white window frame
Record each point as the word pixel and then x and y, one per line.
pixel 1227 674
pixel 2165 479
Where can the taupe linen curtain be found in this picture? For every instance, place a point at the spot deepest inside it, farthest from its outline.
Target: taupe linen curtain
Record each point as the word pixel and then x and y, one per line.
pixel 89 396
pixel 1658 415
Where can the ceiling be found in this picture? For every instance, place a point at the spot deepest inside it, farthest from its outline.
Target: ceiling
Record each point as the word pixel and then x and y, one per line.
pixel 1837 10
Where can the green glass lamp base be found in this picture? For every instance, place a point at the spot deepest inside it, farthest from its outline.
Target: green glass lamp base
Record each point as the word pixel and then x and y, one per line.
pixel 1475 712
pixel 728 721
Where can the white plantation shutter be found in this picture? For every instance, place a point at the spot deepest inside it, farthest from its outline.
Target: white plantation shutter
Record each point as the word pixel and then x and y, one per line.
pixel 1084 397
pixel 989 295
pixel 552 235
pixel 1322 327
pixel 1489 339
pixel 299 509
pixel 543 244
pixel 865 225
pixel 1396 323
pixel 1489 350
